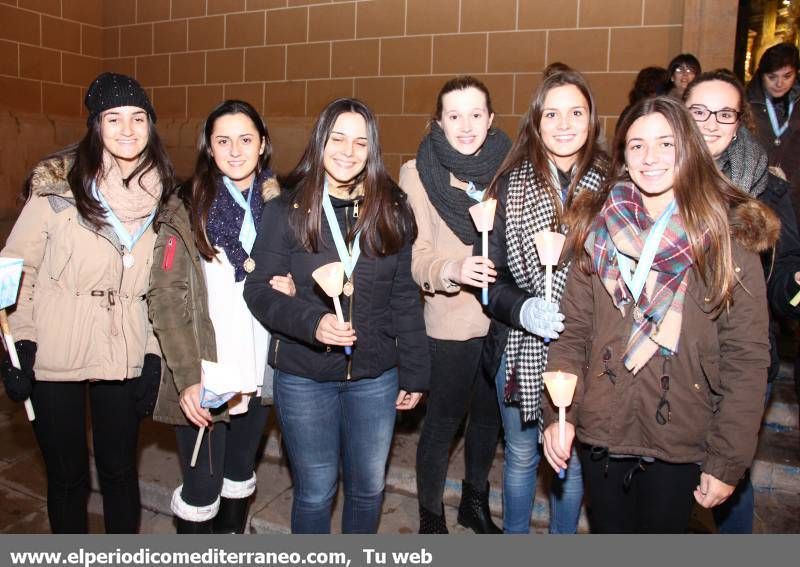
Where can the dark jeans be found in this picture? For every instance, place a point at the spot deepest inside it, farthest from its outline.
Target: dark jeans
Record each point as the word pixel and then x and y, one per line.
pixel 325 422
pixel 457 388
pixel 228 451
pixel 60 428
pixel 658 498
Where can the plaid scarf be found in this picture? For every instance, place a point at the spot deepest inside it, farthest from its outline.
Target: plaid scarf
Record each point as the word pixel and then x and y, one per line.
pixel 622 227
pixel 529 210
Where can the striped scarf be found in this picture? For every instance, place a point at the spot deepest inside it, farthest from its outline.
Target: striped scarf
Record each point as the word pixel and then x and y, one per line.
pixel 622 227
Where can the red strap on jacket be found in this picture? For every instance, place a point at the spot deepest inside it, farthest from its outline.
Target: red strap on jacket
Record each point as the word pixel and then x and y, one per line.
pixel 169 253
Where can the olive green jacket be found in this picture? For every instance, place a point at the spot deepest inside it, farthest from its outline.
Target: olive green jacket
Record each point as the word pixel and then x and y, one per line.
pixel 178 306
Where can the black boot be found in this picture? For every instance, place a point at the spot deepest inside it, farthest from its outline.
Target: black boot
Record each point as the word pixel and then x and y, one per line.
pixel 430 523
pixel 473 512
pixel 189 527
pixel 232 515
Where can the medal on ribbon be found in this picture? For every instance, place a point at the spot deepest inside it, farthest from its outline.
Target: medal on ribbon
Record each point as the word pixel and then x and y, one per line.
pixel 247 234
pixel 347 257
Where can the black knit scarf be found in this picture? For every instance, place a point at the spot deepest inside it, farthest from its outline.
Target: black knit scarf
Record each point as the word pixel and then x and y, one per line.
pixel 436 159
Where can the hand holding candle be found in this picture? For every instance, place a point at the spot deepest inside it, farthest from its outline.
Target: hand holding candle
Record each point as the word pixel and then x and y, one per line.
pixel 548 247
pixel 10 276
pixel 561 387
pixel 330 278
pixel 483 216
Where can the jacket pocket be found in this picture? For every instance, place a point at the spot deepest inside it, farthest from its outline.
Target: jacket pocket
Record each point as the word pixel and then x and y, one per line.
pixel 273 355
pixel 713 387
pixel 59 254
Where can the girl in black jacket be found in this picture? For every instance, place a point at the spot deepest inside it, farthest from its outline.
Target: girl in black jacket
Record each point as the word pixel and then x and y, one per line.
pixel 340 205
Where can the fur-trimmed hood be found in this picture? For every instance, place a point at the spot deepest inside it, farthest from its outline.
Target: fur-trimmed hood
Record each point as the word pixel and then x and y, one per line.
pixel 49 177
pixel 754 226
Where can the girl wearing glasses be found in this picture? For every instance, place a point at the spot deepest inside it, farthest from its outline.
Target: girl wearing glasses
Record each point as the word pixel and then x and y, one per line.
pixel 667 329
pixel 680 72
pixel 716 101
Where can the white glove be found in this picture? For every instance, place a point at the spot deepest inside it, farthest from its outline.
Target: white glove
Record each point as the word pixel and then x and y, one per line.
pixel 540 317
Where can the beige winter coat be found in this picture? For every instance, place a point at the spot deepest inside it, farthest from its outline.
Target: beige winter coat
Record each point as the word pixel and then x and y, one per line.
pixel 87 314
pixel 451 313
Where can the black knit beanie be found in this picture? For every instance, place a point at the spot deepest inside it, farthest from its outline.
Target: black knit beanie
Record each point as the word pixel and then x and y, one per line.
pixel 111 90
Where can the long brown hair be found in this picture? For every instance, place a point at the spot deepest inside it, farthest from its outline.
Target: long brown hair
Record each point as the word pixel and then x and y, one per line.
pixel 530 146
pixel 87 165
pixel 198 194
pixel 703 195
pixel 385 221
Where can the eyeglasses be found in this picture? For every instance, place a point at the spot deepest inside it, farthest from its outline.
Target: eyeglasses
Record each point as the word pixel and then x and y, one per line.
pixel 725 116
pixel 684 70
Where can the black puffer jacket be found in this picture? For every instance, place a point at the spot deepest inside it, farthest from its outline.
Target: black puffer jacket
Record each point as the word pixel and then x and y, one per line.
pixel 385 309
pixel 780 269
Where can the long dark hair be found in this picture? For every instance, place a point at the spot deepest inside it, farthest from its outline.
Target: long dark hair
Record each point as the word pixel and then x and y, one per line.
pixel 87 157
pixel 385 221
pixel 530 146
pixel 702 193
pixel 198 194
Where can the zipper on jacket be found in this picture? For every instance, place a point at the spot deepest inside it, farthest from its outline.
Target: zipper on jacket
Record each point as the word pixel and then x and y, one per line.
pixel 350 299
pixel 275 360
pixel 350 318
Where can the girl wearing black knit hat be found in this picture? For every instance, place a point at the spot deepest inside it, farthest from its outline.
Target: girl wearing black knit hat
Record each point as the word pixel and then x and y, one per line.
pixel 81 321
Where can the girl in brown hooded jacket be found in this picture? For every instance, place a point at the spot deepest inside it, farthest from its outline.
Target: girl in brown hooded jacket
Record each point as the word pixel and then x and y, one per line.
pixel 666 329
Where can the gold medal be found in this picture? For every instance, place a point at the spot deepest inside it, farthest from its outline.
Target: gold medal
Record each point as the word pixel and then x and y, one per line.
pixel 638 316
pixel 128 260
pixel 249 265
pixel 348 289
pixel 777 141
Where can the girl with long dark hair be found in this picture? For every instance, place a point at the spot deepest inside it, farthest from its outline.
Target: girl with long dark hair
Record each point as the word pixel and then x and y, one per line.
pixel 555 157
pixel 667 329
pixel 455 163
pixel 203 253
pixel 81 321
pixel 340 205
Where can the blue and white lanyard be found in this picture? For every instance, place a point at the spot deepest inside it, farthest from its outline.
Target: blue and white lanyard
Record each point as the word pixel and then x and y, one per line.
pixel 127 239
pixel 247 234
pixel 778 129
pixel 474 193
pixel 348 259
pixel 635 280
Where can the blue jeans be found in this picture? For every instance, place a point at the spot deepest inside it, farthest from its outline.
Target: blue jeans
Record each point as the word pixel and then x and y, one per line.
pixel 522 456
pixel 323 422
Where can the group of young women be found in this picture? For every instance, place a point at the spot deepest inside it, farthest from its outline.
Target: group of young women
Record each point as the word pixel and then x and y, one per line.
pixel 141 291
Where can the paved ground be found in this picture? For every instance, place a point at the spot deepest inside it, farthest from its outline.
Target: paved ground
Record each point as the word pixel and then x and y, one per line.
pixel 22 483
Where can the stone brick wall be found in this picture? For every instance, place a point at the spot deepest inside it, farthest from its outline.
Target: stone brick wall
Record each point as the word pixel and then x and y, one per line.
pixel 289 57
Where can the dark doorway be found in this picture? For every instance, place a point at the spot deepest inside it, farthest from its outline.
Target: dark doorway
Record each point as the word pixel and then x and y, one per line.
pixel 761 24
